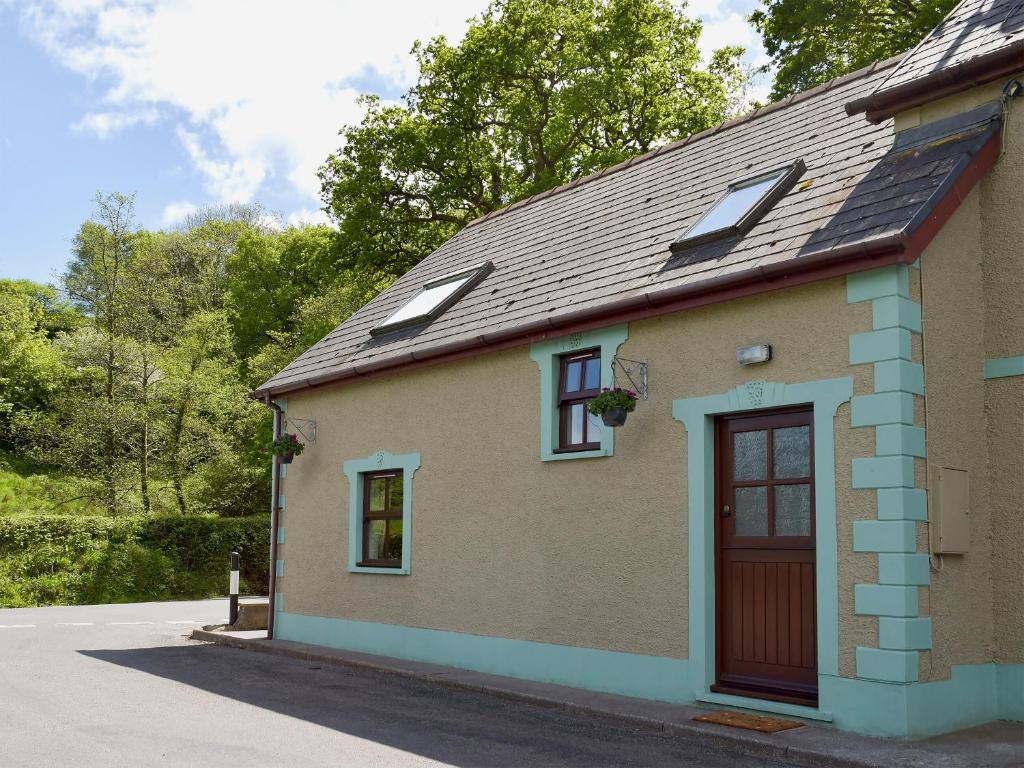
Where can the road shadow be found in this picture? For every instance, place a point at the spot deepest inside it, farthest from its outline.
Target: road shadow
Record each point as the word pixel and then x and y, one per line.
pixel 456 727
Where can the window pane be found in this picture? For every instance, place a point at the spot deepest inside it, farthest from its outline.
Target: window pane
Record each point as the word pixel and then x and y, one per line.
pixel 592 379
pixel 792 510
pixel 376 537
pixel 425 301
pixel 393 546
pixel 577 414
pixel 792 447
pixel 750 455
pixel 752 511
pixel 734 206
pixel 396 493
pixel 594 426
pixel 377 485
pixel 573 372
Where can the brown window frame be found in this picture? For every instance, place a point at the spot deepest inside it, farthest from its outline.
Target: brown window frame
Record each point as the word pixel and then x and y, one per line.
pixel 388 513
pixel 568 399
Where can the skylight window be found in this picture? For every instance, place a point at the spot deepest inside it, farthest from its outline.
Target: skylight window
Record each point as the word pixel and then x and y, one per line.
pixel 434 298
pixel 742 205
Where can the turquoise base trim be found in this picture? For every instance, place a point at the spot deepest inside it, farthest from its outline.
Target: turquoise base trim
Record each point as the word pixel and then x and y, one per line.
pixel 973 695
pixel 627 674
pixel 1004 366
pixel 546 354
pixel 353 469
pixel 698 415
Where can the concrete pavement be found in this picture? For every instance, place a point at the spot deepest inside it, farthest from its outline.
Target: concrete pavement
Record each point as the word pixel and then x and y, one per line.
pixel 122 686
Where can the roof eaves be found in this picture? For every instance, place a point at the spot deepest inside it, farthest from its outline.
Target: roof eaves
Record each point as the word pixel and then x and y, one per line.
pixel 883 104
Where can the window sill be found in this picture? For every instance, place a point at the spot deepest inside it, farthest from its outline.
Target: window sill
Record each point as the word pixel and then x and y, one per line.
pixel 394 571
pixel 562 455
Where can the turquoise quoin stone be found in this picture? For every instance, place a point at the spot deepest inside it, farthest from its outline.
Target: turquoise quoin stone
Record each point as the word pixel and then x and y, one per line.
pixel 893 280
pixel 280 568
pixel 885 600
pixel 883 472
pixel 904 634
pixel 899 439
pixel 902 504
pixel 899 376
pixel 882 408
pixel 896 312
pixel 884 536
pixel 903 568
pixel 873 346
pixel 890 666
pixel 1002 367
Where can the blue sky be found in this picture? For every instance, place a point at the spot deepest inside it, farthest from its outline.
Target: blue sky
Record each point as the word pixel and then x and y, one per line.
pixel 187 102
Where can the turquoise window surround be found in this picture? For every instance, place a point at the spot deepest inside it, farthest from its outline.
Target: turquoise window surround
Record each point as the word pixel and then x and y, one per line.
pixel 545 354
pixel 376 462
pixel 698 416
pixel 1001 367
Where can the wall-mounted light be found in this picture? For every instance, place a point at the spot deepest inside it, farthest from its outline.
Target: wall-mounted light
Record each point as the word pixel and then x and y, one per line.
pixel 755 353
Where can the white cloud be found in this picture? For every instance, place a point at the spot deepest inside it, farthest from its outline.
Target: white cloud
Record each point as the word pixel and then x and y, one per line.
pixel 256 87
pixel 307 216
pixel 176 212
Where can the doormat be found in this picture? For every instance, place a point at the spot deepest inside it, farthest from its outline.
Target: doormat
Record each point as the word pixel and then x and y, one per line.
pixel 750 722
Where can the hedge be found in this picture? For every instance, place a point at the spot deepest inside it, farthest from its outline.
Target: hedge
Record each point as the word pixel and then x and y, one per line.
pixel 69 560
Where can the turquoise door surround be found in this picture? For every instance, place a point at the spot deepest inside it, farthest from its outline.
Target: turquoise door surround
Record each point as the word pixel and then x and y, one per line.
pixel 698 415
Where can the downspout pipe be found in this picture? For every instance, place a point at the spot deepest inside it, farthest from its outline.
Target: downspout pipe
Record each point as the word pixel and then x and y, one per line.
pixel 275 513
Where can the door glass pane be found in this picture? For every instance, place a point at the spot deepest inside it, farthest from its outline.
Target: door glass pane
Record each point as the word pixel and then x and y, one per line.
pixel 792 452
pixel 377 493
pixel 393 547
pixel 592 377
pixel 594 425
pixel 793 510
pixel 752 511
pixel 750 455
pixel 396 494
pixel 577 414
pixel 375 539
pixel 573 372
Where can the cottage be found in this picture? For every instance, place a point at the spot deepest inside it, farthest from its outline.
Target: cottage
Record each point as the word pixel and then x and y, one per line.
pixel 816 507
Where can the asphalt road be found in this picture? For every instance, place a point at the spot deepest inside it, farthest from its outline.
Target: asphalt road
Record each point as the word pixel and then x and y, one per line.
pixel 120 685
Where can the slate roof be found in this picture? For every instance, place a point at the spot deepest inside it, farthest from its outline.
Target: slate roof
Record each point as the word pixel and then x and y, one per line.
pixel 600 245
pixel 978 42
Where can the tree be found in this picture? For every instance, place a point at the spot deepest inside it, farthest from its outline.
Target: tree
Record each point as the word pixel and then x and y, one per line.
pixel 814 41
pixel 30 368
pixel 537 94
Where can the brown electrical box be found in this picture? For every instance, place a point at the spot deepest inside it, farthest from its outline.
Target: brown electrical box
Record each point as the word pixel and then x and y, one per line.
pixel 950 511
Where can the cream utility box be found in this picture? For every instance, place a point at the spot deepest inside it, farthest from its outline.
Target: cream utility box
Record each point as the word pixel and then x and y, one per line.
pixel 950 511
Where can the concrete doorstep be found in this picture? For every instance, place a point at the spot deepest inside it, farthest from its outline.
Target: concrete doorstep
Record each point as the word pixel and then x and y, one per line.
pixel 995 745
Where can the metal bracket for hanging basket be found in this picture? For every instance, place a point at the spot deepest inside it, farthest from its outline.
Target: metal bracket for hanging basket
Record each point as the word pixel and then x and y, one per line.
pixel 305 427
pixel 635 372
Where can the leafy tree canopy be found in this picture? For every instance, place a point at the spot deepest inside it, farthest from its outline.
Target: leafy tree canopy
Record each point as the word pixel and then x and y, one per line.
pixel 537 94
pixel 814 41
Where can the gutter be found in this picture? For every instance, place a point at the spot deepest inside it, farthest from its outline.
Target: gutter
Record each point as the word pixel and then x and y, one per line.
pixel 275 514
pixel 883 104
pixel 903 247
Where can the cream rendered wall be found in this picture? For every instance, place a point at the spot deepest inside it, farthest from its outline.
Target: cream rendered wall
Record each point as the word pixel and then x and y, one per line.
pixel 590 552
pixel 972 281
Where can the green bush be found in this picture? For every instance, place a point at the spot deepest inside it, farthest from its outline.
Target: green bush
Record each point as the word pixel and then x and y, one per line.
pixel 61 560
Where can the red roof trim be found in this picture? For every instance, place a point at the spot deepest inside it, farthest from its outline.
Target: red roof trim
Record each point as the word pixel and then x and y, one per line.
pixel 883 104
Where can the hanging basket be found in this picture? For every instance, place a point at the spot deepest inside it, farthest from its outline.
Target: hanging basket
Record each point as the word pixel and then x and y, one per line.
pixel 285 458
pixel 614 417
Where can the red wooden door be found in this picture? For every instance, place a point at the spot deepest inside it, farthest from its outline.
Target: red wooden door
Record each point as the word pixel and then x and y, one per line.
pixel 764 534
